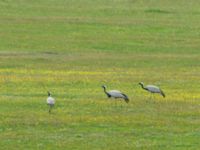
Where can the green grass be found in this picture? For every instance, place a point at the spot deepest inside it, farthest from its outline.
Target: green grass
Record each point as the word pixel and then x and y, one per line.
pixel 72 47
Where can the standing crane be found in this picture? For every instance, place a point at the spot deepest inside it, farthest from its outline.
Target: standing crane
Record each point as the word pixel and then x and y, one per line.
pixel 152 89
pixel 116 94
pixel 50 101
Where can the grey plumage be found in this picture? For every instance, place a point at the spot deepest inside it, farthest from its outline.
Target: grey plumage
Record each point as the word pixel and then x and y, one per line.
pixel 115 94
pixel 152 89
pixel 50 101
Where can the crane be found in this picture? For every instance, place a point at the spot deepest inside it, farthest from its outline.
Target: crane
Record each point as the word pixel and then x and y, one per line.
pixel 115 94
pixel 50 101
pixel 152 89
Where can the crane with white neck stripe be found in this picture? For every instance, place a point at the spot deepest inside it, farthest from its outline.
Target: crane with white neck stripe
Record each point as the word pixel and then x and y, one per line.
pixel 115 94
pixel 152 89
pixel 50 101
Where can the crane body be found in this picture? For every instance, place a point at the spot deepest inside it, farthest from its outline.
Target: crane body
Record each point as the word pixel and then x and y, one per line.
pixel 115 94
pixel 50 101
pixel 152 89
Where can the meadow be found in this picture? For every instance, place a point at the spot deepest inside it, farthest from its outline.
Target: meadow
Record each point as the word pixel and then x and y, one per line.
pixel 73 47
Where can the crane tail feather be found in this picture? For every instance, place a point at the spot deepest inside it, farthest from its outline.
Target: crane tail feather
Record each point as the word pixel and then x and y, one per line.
pixel 126 98
pixel 162 93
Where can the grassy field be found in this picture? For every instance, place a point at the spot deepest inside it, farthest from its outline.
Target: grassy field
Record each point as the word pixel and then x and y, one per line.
pixel 72 47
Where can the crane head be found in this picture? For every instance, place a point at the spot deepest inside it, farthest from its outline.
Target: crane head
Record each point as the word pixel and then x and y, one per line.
pixel 49 94
pixel 103 86
pixel 141 83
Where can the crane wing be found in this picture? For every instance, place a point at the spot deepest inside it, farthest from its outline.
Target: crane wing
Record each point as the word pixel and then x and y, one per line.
pixel 116 94
pixel 50 101
pixel 115 91
pixel 153 88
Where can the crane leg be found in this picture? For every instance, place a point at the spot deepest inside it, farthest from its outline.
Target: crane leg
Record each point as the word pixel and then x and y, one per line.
pixel 115 103
pixel 50 107
pixel 150 97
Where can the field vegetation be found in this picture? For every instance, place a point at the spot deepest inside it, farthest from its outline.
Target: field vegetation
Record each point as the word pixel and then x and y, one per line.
pixel 72 47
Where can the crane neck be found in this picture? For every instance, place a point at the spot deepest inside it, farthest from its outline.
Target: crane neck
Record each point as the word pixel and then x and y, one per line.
pixel 49 94
pixel 142 85
pixel 104 89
